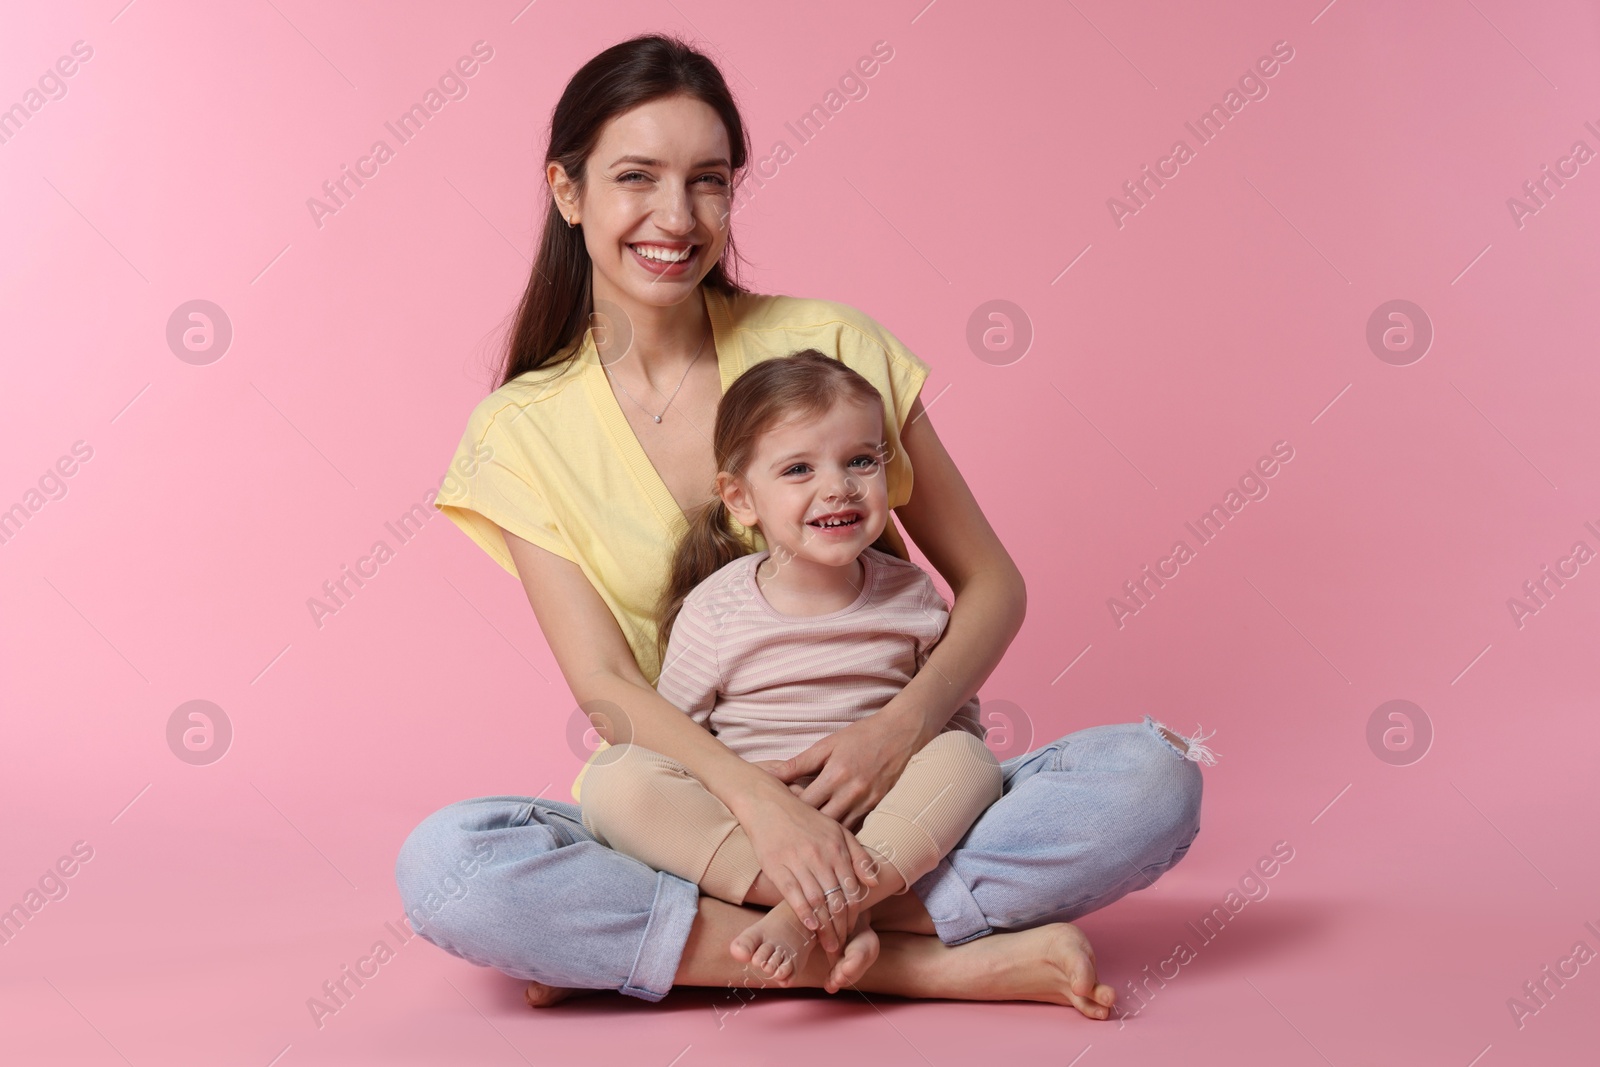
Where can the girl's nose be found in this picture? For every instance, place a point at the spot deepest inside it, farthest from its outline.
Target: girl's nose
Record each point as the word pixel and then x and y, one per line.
pixel 847 487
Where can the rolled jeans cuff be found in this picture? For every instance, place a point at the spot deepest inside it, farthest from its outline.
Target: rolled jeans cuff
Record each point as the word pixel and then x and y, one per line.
pixel 956 915
pixel 672 914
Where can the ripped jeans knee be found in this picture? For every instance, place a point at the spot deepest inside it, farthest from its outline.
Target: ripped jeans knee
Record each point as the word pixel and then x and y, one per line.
pixel 1190 748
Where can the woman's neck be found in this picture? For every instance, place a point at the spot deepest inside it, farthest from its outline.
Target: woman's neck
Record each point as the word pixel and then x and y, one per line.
pixel 662 339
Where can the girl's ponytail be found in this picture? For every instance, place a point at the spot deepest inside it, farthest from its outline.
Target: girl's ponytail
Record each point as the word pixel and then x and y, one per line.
pixel 707 547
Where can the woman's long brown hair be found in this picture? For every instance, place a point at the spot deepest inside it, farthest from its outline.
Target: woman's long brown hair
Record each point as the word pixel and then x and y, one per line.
pixel 557 303
pixel 807 385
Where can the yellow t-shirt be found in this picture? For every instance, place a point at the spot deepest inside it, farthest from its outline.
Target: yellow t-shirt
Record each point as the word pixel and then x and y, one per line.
pixel 551 457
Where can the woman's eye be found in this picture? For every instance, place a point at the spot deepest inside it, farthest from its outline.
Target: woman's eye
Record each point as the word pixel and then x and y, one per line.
pixel 716 179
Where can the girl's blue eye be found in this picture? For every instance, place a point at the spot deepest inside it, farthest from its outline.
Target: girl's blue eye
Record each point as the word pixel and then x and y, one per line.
pixel 870 461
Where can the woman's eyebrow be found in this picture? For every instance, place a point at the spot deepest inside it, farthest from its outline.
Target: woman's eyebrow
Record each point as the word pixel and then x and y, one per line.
pixel 646 161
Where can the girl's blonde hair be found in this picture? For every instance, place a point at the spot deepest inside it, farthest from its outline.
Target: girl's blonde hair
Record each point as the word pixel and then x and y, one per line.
pixel 805 384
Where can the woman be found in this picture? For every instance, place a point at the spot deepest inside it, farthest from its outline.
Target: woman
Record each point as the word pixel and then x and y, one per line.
pixel 575 475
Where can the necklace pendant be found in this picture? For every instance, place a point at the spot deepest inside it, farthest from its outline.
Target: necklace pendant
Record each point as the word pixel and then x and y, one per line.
pixel 656 417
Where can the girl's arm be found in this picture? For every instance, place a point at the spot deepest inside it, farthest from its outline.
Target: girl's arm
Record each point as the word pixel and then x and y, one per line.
pixel 804 853
pixel 858 765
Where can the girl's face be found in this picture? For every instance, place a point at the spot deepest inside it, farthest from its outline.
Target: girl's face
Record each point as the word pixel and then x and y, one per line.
pixel 655 202
pixel 816 486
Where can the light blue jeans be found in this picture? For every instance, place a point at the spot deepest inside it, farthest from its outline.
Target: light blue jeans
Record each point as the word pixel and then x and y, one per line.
pixel 517 883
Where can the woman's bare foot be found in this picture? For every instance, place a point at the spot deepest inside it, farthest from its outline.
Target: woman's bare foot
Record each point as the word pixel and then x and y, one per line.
pixel 539 995
pixel 1068 965
pixel 860 953
pixel 1052 964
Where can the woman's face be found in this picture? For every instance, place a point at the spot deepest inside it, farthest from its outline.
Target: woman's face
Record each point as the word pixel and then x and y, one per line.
pixel 805 472
pixel 658 188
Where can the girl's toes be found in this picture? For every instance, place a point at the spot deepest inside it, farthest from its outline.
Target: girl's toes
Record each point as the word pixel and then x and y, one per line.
pixel 860 953
pixel 743 947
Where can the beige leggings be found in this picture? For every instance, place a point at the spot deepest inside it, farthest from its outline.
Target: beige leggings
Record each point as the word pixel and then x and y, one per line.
pixel 652 808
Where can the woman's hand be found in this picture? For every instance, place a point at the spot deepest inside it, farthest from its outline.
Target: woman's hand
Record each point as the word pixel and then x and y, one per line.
pixel 805 854
pixel 855 766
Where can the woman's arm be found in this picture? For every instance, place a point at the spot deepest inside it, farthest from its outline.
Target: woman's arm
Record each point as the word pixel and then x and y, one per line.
pixel 803 853
pixel 858 765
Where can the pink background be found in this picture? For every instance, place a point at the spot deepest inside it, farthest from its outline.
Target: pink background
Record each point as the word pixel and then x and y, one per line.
pixel 1229 313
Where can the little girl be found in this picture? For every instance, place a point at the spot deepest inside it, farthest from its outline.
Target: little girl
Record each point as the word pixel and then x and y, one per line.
pixel 775 650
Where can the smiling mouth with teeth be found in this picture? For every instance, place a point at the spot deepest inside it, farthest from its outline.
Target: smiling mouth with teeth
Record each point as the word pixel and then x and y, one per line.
pixel 664 255
pixel 831 524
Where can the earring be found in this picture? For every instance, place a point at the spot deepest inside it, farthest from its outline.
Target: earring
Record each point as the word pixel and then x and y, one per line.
pixel 571 223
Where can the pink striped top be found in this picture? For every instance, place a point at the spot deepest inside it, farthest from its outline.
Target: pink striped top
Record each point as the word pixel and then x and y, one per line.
pixel 770 685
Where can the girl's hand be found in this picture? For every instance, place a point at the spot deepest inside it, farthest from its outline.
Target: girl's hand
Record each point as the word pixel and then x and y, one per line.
pixel 805 854
pixel 855 767
pixel 775 767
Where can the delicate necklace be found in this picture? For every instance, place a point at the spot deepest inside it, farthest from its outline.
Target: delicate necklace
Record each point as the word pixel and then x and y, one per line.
pixel 674 395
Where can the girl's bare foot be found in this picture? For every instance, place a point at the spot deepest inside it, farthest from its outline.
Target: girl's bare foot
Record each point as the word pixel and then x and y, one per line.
pixel 860 953
pixel 779 947
pixel 777 944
